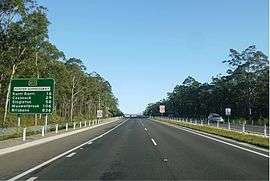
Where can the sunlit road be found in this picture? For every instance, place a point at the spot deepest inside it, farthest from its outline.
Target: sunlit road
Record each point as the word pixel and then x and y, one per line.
pixel 142 149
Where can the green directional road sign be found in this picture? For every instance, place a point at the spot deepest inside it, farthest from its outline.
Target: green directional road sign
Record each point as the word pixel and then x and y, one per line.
pixel 31 96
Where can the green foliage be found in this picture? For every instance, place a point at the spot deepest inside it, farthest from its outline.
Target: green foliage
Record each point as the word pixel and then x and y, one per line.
pixel 243 137
pixel 26 52
pixel 245 87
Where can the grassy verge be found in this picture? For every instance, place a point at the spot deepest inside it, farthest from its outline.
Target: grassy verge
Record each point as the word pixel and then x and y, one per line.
pixel 243 137
pixel 17 132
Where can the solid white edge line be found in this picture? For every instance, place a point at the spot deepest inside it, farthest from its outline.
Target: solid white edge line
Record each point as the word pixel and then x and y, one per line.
pixel 32 179
pixel 47 139
pixel 71 154
pixel 154 142
pixel 59 156
pixel 230 144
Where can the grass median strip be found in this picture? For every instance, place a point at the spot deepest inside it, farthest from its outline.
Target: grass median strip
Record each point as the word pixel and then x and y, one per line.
pixel 243 137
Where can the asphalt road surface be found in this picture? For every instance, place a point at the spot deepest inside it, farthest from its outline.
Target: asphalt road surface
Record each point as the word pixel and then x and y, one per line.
pixel 137 149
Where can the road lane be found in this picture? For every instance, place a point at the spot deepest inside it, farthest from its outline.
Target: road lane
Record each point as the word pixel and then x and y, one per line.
pixel 125 153
pixel 16 162
pixel 143 149
pixel 194 157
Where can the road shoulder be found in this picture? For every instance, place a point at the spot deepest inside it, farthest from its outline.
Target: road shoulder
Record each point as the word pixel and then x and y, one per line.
pixel 15 145
pixel 227 140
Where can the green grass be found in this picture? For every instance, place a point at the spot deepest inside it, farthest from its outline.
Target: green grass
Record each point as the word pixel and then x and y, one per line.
pixel 18 131
pixel 243 137
pixel 29 120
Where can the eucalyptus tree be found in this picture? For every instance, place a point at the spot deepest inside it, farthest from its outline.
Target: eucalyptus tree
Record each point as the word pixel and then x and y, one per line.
pixel 244 88
pixel 23 26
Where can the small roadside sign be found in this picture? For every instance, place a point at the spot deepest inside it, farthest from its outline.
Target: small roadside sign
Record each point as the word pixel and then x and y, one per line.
pixel 228 111
pixel 162 109
pixel 32 96
pixel 99 113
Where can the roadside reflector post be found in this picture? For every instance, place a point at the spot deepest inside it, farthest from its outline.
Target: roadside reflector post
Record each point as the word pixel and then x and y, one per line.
pixel 56 128
pixel 84 123
pixel 24 134
pixel 195 121
pixel 217 124
pixel 89 123
pixel 229 125
pixel 19 121
pixel 66 126
pixel 243 128
pixel 74 125
pixel 265 130
pixel 80 124
pixel 208 122
pixel 46 122
pixel 43 131
pixel 201 122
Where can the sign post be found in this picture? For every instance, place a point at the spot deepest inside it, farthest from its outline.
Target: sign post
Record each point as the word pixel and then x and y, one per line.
pixel 32 96
pixel 162 109
pixel 228 113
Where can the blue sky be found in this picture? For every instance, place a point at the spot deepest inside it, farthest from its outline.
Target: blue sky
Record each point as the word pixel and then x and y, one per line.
pixel 146 47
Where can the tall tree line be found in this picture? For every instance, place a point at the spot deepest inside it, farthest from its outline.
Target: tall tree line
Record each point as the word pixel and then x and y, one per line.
pixel 26 52
pixel 245 89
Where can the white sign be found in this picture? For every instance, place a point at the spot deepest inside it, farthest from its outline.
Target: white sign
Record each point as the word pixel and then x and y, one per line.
pixel 99 113
pixel 162 109
pixel 34 89
pixel 228 111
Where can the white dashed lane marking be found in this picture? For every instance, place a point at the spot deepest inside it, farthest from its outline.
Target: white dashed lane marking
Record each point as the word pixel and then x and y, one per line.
pixel 153 141
pixel 32 179
pixel 70 155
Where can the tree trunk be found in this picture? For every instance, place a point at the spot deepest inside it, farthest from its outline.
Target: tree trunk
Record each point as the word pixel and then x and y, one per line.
pixel 89 110
pixel 72 98
pixel 8 92
pixel 1 78
pixel 36 122
pixel 36 117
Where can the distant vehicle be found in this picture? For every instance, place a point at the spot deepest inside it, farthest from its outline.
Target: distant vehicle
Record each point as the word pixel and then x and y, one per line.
pixel 214 118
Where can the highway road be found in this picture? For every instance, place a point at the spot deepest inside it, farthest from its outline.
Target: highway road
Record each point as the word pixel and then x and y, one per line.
pixel 137 149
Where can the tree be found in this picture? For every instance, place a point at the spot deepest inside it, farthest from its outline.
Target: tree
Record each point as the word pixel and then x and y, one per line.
pixel 245 87
pixel 26 52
